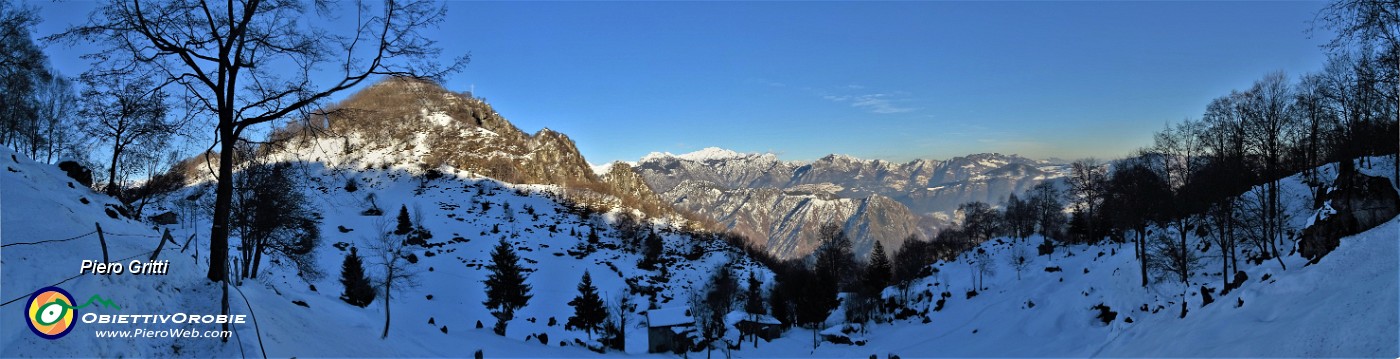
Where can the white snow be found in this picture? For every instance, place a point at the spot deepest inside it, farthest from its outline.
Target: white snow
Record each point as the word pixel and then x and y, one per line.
pixel 38 205
pixel 665 317
pixel 438 118
pixel 705 154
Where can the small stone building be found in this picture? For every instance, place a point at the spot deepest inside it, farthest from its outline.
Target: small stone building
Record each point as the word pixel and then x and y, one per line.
pixel 764 326
pixel 667 328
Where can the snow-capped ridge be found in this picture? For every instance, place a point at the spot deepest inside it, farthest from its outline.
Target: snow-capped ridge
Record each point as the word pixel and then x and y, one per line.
pixel 703 155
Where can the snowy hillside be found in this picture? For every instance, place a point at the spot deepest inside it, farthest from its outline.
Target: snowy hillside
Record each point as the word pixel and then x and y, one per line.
pixel 301 316
pixel 1347 305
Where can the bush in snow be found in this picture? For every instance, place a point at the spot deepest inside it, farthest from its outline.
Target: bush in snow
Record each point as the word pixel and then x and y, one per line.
pixel 1046 248
pixel 272 215
pixel 1106 314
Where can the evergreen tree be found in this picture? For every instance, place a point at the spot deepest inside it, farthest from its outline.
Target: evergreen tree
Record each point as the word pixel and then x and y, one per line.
pixel 754 304
pixel 405 224
pixel 506 290
pixel 589 312
pixel 651 255
pixel 358 291
pixel 878 273
pixel 778 300
pixel 592 235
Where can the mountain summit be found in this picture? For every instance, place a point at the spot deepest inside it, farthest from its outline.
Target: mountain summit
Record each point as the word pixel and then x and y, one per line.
pixel 419 126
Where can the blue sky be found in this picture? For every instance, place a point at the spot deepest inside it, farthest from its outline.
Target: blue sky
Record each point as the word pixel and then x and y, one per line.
pixel 889 80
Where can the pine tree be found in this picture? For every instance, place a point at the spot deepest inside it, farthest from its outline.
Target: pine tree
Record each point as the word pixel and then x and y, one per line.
pixel 358 291
pixel 878 273
pixel 589 312
pixel 405 224
pixel 754 304
pixel 506 290
pixel 651 255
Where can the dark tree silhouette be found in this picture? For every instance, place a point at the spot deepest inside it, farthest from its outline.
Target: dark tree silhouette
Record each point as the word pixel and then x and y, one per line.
pixel 879 270
pixel 358 291
pixel 753 303
pixel 405 225
pixel 274 216
pixel 126 111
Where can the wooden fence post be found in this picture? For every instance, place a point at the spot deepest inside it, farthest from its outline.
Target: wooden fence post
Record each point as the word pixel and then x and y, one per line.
pixel 102 239
pixel 163 238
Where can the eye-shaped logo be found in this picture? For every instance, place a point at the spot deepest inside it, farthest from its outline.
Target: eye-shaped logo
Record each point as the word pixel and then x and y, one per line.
pixel 51 313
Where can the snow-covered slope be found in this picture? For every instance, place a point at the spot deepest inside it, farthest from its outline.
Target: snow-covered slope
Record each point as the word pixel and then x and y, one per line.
pixel 1347 305
pixel 300 314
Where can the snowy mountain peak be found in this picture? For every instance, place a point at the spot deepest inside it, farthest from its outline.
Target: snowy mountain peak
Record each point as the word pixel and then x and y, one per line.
pixel 608 167
pixel 835 157
pixel 711 153
pixel 705 154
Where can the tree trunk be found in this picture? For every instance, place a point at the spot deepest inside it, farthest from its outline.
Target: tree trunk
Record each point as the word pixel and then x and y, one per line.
pixel 223 307
pixel 223 200
pixel 1276 223
pixel 388 281
pixel 1142 252
pixel 247 251
pixel 112 170
pixel 1185 272
pixel 257 257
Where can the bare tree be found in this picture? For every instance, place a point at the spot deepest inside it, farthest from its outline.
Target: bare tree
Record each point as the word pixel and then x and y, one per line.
pixel 388 251
pixel 1087 182
pixel 982 265
pixel 56 103
pixel 1175 261
pixel 22 66
pixel 1267 121
pixel 1137 197
pixel 249 62
pixel 1044 200
pixel 1371 26
pixel 980 220
pixel 1019 259
pixel 128 111
pixel 910 261
pixel 1179 148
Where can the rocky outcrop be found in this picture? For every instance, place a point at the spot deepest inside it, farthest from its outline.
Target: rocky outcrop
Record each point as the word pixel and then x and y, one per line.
pixel 1359 203
pixel 418 125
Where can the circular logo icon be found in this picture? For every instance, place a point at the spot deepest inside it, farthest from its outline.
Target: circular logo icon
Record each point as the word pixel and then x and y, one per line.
pixel 50 312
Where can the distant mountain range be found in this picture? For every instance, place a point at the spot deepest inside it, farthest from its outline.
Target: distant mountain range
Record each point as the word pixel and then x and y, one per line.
pixel 777 204
pixel 781 204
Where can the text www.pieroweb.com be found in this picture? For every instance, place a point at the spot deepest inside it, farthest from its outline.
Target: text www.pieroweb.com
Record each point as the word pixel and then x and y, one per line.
pixel 163 333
